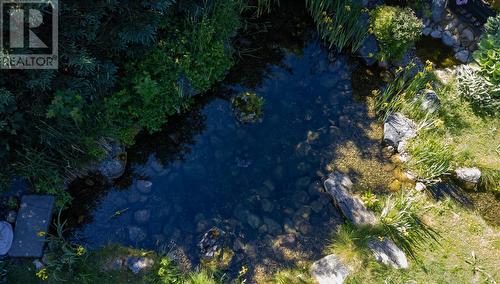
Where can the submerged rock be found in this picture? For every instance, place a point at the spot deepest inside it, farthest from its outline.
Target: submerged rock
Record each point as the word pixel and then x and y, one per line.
pixel 329 270
pixel 113 166
pixel 368 50
pixel 398 128
pixel 212 242
pixel 136 234
pixel 388 253
pixel 468 177
pixel 144 186
pixel 429 101
pixel 463 56
pixel 338 186
pixel 142 216
pixel 6 236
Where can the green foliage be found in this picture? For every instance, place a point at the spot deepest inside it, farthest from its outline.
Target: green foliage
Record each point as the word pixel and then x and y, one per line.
pixel 63 258
pixel 474 87
pixel 248 106
pixel 265 6
pixel 490 179
pixel 431 157
pixel 400 222
pixel 488 53
pixel 340 23
pixel 399 94
pixel 396 30
pixel 202 276
pixel 165 273
pixel 292 276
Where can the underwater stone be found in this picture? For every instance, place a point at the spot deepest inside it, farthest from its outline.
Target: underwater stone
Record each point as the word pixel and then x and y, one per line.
pixel 388 253
pixel 144 186
pixel 272 226
pixel 448 39
pixel 398 128
pixel 329 270
pixel 338 186
pixel 436 34
pixel 136 234
pixel 142 216
pixel 253 220
pixel 6 236
pixel 369 50
pixel 212 242
pixel 426 31
pixel 34 217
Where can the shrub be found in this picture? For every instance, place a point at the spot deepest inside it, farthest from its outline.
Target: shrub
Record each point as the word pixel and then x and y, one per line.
pixel 477 89
pixel 340 23
pixel 488 53
pixel 396 30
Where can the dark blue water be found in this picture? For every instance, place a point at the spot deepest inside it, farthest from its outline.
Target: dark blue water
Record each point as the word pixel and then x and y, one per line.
pixel 259 182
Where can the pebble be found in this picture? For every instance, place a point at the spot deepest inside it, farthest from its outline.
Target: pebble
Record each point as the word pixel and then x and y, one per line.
pixel 253 220
pixel 267 206
pixel 136 234
pixel 144 186
pixel 436 34
pixel 142 216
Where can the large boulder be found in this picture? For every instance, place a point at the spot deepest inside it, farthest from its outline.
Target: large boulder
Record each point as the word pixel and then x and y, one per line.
pixel 369 50
pixel 338 186
pixel 468 177
pixel 329 270
pixel 388 253
pixel 398 129
pixel 139 264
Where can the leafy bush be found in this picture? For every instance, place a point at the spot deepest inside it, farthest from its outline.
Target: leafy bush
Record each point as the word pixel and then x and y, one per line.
pixel 340 23
pixel 396 30
pixel 477 89
pixel 488 53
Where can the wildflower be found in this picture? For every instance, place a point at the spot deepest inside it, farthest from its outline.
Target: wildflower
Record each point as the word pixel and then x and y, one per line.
pixel 42 274
pixel 80 251
pixel 243 270
pixel 429 65
pixel 347 8
pixel 399 69
pixel 428 86
pixel 41 233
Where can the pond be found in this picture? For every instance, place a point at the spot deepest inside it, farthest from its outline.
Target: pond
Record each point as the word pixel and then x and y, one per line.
pixel 259 182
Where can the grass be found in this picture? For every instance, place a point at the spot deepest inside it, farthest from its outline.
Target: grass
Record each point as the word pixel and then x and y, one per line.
pixel 462 234
pixel 340 23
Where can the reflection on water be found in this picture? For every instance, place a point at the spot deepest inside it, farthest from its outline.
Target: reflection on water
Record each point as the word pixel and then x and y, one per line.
pixel 261 183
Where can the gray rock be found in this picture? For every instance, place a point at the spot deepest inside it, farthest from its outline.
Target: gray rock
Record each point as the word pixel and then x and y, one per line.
pixel 136 234
pixel 448 39
pixel 429 101
pixel 139 264
pixel 38 264
pixel 420 186
pixel 468 177
pixel 6 236
pixel 436 34
pixel 369 50
pixel 144 186
pixel 338 185
pixel 467 35
pixel 437 8
pixel 388 253
pixel 398 128
pixel 32 224
pixel 329 270
pixel 142 216
pixel 113 166
pixel 463 56
pixel 426 31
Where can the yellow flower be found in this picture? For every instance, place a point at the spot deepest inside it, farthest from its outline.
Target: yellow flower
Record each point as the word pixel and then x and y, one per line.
pixel 41 233
pixel 243 270
pixel 42 274
pixel 347 8
pixel 428 86
pixel 80 251
pixel 428 66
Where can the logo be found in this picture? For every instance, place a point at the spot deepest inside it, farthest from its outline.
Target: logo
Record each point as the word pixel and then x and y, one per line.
pixel 29 34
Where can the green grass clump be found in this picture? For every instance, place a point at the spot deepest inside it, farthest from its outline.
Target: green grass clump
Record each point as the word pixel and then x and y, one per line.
pixel 340 23
pixel 396 30
pixel 431 156
pixel 292 276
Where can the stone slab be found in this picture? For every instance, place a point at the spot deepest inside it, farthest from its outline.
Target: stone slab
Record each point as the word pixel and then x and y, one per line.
pixel 32 225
